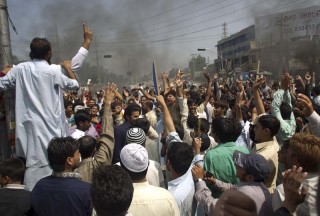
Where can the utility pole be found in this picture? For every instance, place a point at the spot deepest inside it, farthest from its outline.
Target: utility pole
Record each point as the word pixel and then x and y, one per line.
pixel 58 46
pixel 97 59
pixel 224 31
pixel 194 66
pixel 9 100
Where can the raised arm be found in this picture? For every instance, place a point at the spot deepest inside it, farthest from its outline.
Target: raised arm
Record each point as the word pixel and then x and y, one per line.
pixel 78 60
pixel 168 122
pixel 209 83
pixel 256 96
pixel 105 152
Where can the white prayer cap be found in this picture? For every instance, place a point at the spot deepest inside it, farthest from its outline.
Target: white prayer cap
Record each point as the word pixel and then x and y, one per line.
pixel 134 157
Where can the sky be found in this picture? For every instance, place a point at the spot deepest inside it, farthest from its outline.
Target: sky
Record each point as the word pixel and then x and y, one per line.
pixel 136 32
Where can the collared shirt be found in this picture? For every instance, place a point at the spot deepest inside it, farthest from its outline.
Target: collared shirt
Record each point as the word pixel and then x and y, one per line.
pixel 269 150
pixel 182 189
pixel 287 127
pixel 219 162
pixel 40 113
pixel 149 200
pixel 309 205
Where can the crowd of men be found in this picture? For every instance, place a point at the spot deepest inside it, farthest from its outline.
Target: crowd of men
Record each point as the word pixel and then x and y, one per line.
pixel 222 148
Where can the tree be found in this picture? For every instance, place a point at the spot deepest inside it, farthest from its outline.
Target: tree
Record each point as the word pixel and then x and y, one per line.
pixel 197 63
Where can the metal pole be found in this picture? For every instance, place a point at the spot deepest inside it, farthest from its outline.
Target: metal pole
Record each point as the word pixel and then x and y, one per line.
pixel 9 99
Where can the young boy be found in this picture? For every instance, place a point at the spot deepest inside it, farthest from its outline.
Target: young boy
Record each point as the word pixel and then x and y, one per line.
pixel 14 196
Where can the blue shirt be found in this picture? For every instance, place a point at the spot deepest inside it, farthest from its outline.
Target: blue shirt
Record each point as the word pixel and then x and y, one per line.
pixel 120 134
pixel 61 196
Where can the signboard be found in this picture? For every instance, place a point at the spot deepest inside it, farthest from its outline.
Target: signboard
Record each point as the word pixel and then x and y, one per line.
pixel 288 26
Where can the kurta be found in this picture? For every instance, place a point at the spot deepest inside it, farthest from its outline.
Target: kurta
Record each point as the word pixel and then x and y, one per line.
pixel 39 110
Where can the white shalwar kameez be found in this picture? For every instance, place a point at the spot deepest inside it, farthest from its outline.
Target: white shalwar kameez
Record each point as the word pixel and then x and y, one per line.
pixel 40 114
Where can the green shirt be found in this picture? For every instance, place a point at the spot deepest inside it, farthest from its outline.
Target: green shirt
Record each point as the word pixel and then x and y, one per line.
pixel 219 162
pixel 287 127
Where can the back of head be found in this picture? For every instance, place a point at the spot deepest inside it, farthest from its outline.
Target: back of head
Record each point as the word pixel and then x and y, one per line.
pixel 39 48
pixel 180 156
pixel 192 121
pixel 205 142
pixel 130 109
pixel 111 191
pixel 134 160
pixel 271 122
pixel 13 168
pixel 87 145
pixel 204 125
pixel 136 135
pixel 142 123
pixel 285 110
pixel 226 129
pixel 307 149
pixel 59 150
pixel 81 116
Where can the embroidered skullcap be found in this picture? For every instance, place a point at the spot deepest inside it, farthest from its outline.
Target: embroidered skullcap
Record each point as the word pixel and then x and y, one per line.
pixel 134 157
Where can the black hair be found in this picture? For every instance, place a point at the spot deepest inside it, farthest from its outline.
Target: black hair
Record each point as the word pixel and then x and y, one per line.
pixel 67 103
pixel 135 176
pixel 204 125
pixel 316 89
pixel 285 110
pixel 192 121
pixel 271 122
pixel 87 145
pixel 205 142
pixel 131 101
pixel 59 150
pixel 194 98
pixel 222 104
pixel 142 123
pixel 172 92
pixel 111 191
pixel 226 129
pixel 149 104
pixel 96 105
pixel 39 48
pixel 130 109
pixel 180 156
pixel 81 116
pixel 14 168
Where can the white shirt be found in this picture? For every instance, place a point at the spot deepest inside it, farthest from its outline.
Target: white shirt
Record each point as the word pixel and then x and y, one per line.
pixel 149 200
pixel 182 190
pixel 77 134
pixel 40 114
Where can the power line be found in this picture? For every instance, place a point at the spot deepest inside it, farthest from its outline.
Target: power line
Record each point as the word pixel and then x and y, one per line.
pixel 159 14
pixel 232 12
pixel 215 26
